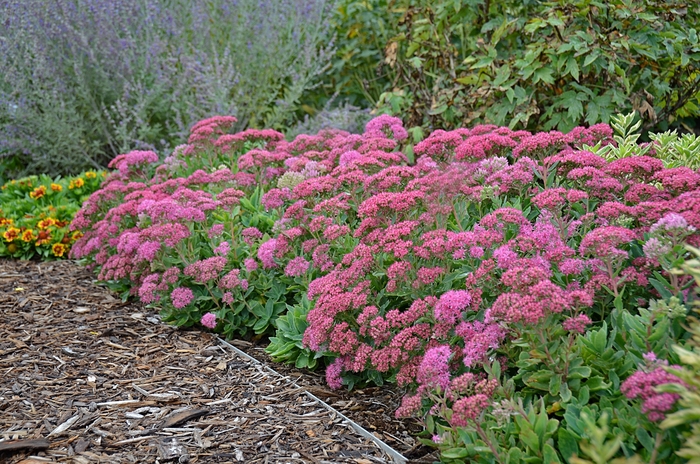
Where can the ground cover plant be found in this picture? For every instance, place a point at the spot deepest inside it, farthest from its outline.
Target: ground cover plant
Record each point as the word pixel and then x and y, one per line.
pixel 36 212
pixel 520 286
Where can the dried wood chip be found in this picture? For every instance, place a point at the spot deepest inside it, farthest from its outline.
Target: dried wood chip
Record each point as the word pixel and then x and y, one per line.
pixel 82 445
pixel 65 426
pixel 170 448
pixel 183 416
pixel 31 445
pixel 35 460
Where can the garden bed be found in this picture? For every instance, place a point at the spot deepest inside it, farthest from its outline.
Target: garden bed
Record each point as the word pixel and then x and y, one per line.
pixel 102 380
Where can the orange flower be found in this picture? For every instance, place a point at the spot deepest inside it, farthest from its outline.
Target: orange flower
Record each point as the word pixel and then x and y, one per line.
pixel 11 234
pixel 5 221
pixel 90 175
pixel 56 187
pixel 28 235
pixel 58 249
pixel 44 238
pixel 46 223
pixel 38 192
pixel 76 235
pixel 76 183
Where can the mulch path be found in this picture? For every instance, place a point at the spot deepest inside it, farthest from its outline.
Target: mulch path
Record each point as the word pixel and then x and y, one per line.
pixel 87 378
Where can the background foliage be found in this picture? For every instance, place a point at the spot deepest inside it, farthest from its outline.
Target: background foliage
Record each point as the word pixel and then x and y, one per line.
pixel 526 64
pixel 82 81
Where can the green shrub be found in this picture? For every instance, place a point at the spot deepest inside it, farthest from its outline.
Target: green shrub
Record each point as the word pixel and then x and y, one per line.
pixel 542 65
pixel 359 73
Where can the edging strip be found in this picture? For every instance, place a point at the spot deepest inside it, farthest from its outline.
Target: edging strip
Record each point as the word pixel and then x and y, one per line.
pixel 395 455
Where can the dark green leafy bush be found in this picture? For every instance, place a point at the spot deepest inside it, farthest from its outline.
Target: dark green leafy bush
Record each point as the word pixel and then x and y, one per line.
pixel 539 65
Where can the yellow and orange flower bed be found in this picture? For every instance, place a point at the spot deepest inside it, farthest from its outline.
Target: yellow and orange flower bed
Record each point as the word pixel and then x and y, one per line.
pixel 36 212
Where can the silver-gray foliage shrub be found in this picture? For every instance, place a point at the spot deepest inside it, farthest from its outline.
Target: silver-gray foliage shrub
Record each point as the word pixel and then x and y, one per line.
pixel 84 80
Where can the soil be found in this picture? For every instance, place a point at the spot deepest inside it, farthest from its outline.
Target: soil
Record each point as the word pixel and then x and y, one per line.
pixel 85 377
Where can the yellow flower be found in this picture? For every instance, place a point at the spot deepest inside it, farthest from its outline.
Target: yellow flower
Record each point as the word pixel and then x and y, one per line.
pixel 28 235
pixel 11 234
pixel 5 221
pixel 76 235
pixel 58 249
pixel 38 192
pixel 56 187
pixel 90 175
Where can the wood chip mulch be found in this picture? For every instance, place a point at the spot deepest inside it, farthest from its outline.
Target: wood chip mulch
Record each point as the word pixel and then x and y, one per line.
pixel 87 378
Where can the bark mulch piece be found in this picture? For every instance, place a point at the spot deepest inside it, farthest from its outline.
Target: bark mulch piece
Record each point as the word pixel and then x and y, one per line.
pixel 106 381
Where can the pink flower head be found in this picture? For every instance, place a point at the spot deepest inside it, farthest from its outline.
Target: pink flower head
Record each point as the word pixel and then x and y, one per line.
pixel 266 254
pixel 209 320
pixel 577 324
pixel 348 157
pixel 476 252
pixel 147 250
pixel 670 223
pixel 603 242
pixel 333 371
pixel 434 370
pixel 655 248
pixel 296 267
pixel 206 269
pixel 642 385
pixel 232 280
pixel 385 125
pixel 216 229
pixel 468 409
pixel 410 405
pixel 479 338
pixel 451 304
pixel 250 264
pixel 181 297
pixel 505 257
pixel 250 234
pixel 222 249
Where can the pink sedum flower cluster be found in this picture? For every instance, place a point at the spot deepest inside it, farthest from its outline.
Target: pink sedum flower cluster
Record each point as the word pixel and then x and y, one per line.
pixel 641 385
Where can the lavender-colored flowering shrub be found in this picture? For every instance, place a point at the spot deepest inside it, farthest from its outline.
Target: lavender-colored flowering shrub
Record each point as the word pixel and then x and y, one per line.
pixel 84 80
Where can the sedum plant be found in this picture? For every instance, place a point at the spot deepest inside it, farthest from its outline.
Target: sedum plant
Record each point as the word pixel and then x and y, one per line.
pixel 513 284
